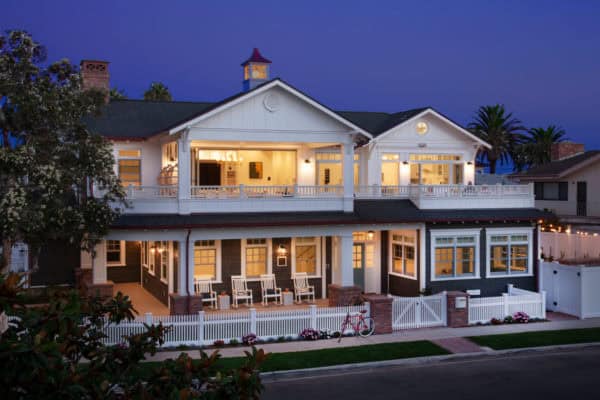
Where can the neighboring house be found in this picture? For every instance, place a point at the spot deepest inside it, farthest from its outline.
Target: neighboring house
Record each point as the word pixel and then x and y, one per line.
pixel 272 181
pixel 568 185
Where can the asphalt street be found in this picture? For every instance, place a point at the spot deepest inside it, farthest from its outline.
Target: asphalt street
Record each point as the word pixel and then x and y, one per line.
pixel 556 374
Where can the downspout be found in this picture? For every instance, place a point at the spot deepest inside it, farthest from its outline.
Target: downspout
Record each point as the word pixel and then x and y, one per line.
pixel 187 271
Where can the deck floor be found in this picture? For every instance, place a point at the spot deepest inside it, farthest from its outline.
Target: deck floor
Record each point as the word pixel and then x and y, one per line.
pixel 144 302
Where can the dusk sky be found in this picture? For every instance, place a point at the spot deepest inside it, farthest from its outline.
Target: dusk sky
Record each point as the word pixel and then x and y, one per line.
pixel 539 58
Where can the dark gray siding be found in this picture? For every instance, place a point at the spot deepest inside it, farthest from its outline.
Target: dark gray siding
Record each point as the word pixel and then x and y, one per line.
pixel 130 272
pixel 488 287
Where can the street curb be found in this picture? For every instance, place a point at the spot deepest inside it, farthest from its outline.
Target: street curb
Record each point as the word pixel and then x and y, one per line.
pixel 373 365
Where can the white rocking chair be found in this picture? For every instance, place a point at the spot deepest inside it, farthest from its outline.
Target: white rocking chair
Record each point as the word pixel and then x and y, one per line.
pixel 269 289
pixel 204 289
pixel 240 291
pixel 302 288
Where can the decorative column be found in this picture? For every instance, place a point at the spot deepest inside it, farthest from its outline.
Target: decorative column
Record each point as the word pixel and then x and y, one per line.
pixel 180 302
pixel 99 285
pixel 342 291
pixel 183 172
pixel 348 175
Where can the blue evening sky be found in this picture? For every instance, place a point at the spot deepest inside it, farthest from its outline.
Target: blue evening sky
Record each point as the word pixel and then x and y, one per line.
pixel 539 58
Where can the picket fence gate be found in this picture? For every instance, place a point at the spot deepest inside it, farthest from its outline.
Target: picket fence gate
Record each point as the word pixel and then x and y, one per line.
pixel 419 312
pixel 205 328
pixel 483 309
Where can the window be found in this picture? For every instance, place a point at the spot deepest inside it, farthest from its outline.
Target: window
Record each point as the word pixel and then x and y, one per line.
pixel 115 252
pixel 144 254
pixel 152 254
pixel 403 260
pixel 422 128
pixel 164 261
pixel 207 257
pixel 306 255
pixel 434 157
pixel 256 257
pixel 130 167
pixel 552 191
pixel 509 252
pixel 455 254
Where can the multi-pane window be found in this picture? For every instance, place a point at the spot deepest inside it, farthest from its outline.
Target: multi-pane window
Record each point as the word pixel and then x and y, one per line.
pixel 205 259
pixel 306 255
pixel 454 256
pixel 403 254
pixel 551 191
pixel 509 254
pixel 164 260
pixel 152 254
pixel 256 252
pixel 130 167
pixel 114 252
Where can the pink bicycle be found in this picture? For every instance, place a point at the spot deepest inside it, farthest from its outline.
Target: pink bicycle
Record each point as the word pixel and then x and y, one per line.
pixel 360 324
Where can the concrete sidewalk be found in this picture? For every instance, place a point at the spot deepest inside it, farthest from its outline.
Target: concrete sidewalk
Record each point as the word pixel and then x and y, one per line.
pixel 432 334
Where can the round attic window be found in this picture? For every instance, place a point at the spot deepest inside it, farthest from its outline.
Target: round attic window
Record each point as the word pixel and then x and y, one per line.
pixel 422 128
pixel 271 102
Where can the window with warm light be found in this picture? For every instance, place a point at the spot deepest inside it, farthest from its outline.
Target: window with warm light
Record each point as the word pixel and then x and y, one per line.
pixel 259 71
pixel 115 252
pixel 129 165
pixel 256 255
pixel 164 260
pixel 306 255
pixel 455 254
pixel 206 259
pixel 403 254
pixel 509 252
pixel 422 128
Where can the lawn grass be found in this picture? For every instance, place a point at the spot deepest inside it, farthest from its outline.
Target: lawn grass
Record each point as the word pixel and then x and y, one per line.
pixel 540 338
pixel 336 356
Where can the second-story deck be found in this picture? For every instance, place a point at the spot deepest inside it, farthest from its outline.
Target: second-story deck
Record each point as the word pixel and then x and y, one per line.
pixel 245 198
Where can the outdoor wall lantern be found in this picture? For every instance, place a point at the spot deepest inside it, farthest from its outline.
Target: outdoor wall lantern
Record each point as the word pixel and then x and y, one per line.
pixel 281 256
pixel 370 235
pixel 281 250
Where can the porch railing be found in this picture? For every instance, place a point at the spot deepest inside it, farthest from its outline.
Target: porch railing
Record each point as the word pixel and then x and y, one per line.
pixel 470 191
pixel 278 191
pixel 151 192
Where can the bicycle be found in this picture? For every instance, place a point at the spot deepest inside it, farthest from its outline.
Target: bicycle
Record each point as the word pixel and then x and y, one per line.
pixel 364 326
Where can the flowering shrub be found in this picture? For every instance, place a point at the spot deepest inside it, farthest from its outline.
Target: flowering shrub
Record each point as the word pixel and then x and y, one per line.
pixel 496 321
pixel 310 334
pixel 219 343
pixel 521 317
pixel 249 339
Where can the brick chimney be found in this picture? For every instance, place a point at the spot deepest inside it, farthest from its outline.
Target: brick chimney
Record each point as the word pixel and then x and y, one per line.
pixel 95 75
pixel 562 150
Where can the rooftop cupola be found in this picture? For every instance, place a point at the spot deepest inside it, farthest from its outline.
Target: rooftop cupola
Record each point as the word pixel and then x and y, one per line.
pixel 256 70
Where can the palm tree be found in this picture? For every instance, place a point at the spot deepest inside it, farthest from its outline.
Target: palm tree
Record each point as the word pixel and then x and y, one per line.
pixel 157 92
pixel 538 144
pixel 497 127
pixel 117 94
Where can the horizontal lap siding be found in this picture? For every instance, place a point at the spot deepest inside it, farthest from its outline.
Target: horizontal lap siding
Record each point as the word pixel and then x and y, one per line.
pixel 130 272
pixel 488 286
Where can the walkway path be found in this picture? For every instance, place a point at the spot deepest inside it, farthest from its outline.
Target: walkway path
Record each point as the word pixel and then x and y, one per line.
pixel 431 334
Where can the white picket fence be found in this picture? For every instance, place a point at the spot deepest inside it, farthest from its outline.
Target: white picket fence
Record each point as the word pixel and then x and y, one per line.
pixel 204 328
pixel 419 312
pixel 483 309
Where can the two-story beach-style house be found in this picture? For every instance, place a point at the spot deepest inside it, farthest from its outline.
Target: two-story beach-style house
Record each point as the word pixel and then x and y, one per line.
pixel 271 181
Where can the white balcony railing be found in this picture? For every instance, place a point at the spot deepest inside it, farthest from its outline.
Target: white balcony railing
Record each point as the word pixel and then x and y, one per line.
pixel 271 192
pixel 152 192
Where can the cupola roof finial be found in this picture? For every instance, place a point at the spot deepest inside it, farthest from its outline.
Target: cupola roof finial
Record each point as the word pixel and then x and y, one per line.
pixel 256 57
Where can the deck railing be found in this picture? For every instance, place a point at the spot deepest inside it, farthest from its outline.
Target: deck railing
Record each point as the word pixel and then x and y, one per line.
pixel 254 192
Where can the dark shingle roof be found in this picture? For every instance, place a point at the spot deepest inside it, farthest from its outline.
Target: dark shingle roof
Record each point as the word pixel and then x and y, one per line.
pixel 365 212
pixel 557 168
pixel 378 122
pixel 140 119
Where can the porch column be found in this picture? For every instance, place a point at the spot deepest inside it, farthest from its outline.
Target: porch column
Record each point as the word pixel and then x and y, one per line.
pixel 99 285
pixel 342 291
pixel 348 175
pixel 181 272
pixel 183 173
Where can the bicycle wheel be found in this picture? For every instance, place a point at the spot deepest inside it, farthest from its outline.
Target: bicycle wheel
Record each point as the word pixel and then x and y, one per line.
pixel 367 326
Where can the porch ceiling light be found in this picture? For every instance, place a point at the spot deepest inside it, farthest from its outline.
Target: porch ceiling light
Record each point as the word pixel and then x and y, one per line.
pixel 307 161
pixel 370 235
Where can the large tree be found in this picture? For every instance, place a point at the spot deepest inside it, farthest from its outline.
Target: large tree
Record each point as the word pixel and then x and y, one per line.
pixel 49 162
pixel 500 129
pixel 157 92
pixel 537 145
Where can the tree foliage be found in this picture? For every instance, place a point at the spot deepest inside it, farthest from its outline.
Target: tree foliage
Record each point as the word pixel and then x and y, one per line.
pixel 49 161
pixel 57 352
pixel 157 92
pixel 117 94
pixel 501 130
pixel 536 146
